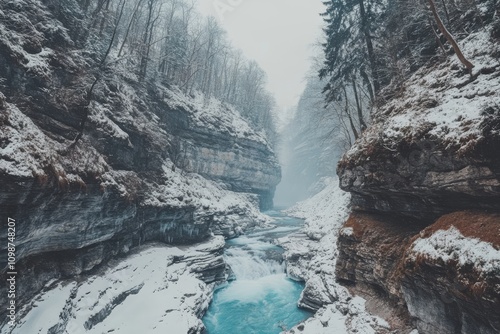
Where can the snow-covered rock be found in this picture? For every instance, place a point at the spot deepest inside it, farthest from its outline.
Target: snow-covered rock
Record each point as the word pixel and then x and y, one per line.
pixel 430 153
pixel 432 148
pixel 151 165
pixel 451 276
pixel 157 289
pixel 311 255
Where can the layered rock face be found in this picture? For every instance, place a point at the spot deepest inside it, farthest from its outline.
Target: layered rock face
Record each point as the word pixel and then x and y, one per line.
pixel 219 147
pixel 460 255
pixel 431 153
pixel 445 277
pixel 432 149
pixel 156 289
pixel 150 164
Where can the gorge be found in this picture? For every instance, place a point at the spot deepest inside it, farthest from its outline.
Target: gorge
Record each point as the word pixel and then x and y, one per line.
pixel 139 162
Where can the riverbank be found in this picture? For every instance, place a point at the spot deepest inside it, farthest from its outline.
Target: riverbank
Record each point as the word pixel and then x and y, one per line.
pixel 156 289
pixel 260 298
pixel 311 256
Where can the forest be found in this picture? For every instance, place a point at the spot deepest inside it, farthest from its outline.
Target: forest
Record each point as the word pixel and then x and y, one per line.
pixel 165 41
pixel 372 47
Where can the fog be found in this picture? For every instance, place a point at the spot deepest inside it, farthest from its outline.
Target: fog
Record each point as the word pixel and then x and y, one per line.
pixel 310 146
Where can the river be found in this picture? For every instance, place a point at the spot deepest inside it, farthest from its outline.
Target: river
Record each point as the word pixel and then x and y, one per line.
pixel 260 298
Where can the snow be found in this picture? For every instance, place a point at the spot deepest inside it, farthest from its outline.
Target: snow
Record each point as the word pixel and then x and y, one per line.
pixel 27 151
pixel 438 102
pixel 41 316
pixel 450 245
pixel 181 189
pixel 98 117
pixel 324 215
pixel 39 61
pixel 214 115
pixel 325 321
pixel 347 231
pixel 147 292
pixel 325 212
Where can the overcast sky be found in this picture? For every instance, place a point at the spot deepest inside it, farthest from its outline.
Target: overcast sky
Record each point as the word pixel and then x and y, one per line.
pixel 278 34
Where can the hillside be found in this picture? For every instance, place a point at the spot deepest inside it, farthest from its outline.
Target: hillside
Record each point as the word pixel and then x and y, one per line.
pixel 420 245
pixel 95 161
pixel 430 160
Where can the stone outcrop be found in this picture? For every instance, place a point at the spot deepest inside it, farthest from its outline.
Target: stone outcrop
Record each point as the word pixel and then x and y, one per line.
pixel 243 162
pixel 384 259
pixel 464 269
pixel 163 288
pixel 432 149
pixel 425 186
pixel 370 252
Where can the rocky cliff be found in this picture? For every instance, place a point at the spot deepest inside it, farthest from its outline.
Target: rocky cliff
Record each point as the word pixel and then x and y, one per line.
pixel 89 176
pixel 425 186
pixel 156 289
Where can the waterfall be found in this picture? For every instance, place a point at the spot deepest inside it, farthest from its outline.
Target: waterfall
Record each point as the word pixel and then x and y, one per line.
pixel 250 264
pixel 261 299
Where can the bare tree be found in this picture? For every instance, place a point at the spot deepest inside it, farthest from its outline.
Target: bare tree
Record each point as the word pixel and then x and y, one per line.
pixel 88 96
pixel 449 37
pixel 133 17
pixel 153 15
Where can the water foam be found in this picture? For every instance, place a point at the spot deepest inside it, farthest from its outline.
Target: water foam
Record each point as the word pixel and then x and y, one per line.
pixel 262 300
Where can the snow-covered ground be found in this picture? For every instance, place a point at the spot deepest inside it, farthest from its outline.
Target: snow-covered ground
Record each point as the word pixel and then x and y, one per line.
pixel 311 256
pixel 215 115
pixel 442 102
pixel 155 290
pixel 450 245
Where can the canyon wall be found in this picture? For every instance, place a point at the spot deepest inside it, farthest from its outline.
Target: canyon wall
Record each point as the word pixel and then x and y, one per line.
pixel 424 235
pixel 87 177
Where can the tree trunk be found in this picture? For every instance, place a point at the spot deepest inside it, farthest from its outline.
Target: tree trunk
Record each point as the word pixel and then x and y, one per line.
pixel 145 41
pixel 368 84
pixel 362 124
pixel 132 18
pixel 446 11
pixel 449 37
pixel 438 40
pixel 353 127
pixel 369 46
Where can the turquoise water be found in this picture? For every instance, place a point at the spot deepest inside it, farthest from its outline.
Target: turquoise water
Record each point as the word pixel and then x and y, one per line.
pixel 261 299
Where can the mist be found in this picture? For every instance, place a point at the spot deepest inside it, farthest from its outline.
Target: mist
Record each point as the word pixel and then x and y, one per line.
pixel 310 146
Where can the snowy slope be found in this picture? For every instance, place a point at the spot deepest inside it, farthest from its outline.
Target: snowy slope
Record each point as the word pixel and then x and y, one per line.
pixel 311 256
pixel 153 291
pixel 441 102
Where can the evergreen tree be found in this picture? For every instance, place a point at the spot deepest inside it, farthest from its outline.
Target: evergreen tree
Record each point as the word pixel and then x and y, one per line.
pixel 349 49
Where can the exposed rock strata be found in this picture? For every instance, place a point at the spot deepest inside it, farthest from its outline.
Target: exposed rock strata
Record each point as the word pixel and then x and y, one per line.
pixel 431 153
pixel 456 275
pixel 133 177
pixel 432 149
pixel 167 288
pixel 455 293
pixel 245 163
pixel 370 251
